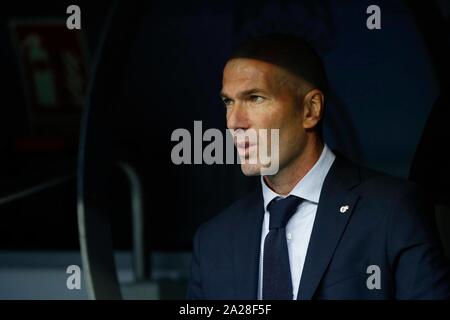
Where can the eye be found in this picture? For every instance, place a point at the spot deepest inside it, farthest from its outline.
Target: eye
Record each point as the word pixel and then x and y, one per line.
pixel 256 99
pixel 227 102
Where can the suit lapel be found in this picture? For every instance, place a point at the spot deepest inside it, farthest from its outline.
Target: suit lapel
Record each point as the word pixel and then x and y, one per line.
pixel 247 245
pixel 329 224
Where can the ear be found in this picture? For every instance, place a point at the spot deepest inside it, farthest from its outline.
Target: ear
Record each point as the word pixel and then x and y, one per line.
pixel 313 103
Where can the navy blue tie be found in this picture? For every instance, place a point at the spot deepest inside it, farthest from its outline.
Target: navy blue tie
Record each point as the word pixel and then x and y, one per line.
pixel 277 281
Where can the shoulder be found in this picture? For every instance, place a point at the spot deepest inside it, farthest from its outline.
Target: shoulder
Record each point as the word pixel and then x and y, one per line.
pixel 397 199
pixel 376 184
pixel 394 204
pixel 381 194
pixel 222 224
pixel 382 185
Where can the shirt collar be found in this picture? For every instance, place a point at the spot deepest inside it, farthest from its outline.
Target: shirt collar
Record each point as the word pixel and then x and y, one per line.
pixel 310 186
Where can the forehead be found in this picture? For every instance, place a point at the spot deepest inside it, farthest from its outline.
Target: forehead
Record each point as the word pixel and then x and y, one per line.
pixel 248 72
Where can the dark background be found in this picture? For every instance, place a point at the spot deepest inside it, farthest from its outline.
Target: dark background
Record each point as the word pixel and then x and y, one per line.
pixel 160 69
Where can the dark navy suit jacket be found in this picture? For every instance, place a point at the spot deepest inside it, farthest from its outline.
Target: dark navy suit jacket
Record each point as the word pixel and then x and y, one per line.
pixel 389 224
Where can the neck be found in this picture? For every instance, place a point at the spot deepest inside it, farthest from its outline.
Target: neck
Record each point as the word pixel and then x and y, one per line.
pixel 288 177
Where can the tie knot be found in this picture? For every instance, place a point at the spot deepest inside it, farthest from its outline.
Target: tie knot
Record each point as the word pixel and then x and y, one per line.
pixel 282 210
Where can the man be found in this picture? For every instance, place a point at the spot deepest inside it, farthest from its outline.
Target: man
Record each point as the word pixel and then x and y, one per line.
pixel 321 227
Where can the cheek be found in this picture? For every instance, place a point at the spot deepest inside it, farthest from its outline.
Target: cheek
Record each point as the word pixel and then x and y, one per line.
pixel 289 125
pixel 291 134
pixel 268 117
pixel 276 115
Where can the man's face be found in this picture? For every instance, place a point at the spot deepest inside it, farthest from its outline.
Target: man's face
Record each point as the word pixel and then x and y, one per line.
pixel 257 95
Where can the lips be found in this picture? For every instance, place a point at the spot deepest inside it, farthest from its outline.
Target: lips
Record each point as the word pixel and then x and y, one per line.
pixel 245 149
pixel 245 145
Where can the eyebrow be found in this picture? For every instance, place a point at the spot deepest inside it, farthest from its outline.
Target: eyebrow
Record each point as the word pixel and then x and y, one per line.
pixel 244 93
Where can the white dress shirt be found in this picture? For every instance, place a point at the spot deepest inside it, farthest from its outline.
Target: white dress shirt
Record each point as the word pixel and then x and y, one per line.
pixel 299 227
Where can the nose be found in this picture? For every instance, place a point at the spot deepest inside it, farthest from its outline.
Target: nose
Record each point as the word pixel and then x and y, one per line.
pixel 237 118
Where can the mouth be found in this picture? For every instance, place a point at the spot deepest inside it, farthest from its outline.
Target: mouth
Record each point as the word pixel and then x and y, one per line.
pixel 242 145
pixel 244 148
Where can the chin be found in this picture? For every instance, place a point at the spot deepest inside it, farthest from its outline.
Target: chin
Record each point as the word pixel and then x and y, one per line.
pixel 251 170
